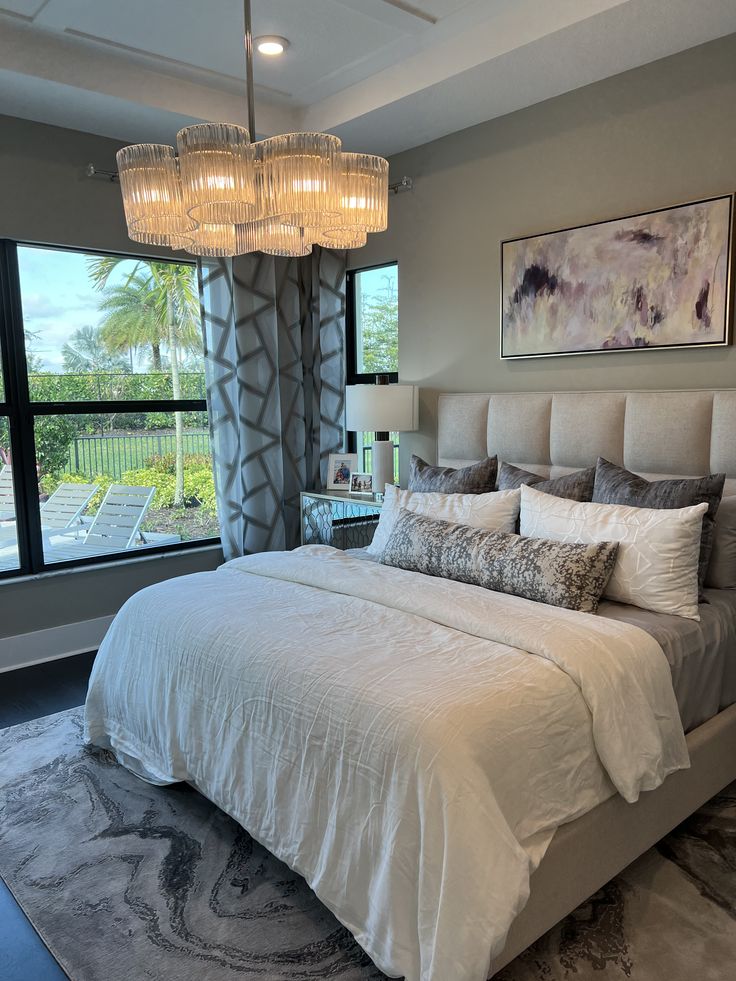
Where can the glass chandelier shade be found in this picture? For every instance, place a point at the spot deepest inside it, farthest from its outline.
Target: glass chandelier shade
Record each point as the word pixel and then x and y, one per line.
pixel 224 196
pixel 212 240
pixel 337 238
pixel 160 238
pixel 364 191
pixel 300 172
pixel 217 167
pixel 152 193
pixel 271 236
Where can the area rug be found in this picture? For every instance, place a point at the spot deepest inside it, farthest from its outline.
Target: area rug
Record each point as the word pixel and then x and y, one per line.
pixel 128 882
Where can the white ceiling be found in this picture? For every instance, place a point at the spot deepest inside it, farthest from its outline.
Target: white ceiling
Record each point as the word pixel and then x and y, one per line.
pixel 382 74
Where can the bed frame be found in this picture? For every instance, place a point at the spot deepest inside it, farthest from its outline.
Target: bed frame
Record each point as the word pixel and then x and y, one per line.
pixel 685 433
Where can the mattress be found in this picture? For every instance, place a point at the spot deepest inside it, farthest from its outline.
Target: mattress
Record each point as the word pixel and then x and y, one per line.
pixel 701 655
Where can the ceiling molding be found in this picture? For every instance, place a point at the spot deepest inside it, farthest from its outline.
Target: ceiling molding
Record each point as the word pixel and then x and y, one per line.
pixel 157 60
pixel 410 9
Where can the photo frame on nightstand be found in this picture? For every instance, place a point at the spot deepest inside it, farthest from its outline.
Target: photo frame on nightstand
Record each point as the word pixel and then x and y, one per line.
pixel 361 483
pixel 340 469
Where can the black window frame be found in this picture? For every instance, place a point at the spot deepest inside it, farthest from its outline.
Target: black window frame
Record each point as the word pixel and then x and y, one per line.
pixel 352 375
pixel 21 412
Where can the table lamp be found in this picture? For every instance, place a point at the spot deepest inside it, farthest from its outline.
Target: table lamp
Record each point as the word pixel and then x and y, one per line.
pixel 382 409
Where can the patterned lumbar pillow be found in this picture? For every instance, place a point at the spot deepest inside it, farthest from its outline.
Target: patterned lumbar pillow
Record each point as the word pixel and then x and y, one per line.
pixel 615 485
pixel 573 576
pixel 577 486
pixel 479 478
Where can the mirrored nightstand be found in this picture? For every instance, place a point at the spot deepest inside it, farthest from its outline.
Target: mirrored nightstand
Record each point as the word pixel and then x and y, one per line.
pixel 338 518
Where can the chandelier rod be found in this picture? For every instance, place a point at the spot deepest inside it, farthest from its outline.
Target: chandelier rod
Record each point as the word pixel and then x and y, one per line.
pixel 248 31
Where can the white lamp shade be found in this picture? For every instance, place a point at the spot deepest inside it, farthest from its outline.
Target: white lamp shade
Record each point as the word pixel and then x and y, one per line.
pixel 381 408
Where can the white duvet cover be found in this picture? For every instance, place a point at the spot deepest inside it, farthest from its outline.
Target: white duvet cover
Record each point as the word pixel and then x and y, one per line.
pixel 407 744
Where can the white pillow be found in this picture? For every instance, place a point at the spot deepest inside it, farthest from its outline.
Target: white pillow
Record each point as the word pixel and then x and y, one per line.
pixel 657 563
pixel 497 510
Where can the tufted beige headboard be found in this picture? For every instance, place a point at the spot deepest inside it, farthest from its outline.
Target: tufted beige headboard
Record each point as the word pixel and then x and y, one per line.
pixel 664 433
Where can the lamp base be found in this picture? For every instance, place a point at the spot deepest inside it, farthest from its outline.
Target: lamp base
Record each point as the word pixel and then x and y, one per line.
pixel 382 464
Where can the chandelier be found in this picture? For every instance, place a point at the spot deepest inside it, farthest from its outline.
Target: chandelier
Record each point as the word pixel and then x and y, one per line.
pixel 219 194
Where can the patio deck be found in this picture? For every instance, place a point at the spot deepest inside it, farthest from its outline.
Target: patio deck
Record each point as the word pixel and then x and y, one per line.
pixel 64 548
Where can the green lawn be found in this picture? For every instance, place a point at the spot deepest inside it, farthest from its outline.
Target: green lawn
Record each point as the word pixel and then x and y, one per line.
pixel 114 455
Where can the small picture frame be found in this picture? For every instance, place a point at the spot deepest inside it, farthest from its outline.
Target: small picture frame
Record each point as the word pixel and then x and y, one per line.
pixel 340 468
pixel 361 483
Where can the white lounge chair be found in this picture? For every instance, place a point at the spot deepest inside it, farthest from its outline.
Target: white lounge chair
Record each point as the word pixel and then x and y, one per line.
pixel 65 506
pixel 62 510
pixel 116 526
pixel 7 496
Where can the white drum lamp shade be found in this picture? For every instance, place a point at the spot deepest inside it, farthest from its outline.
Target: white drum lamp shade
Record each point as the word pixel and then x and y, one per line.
pixel 382 409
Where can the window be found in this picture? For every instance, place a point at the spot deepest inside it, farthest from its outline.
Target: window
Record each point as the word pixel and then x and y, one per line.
pixel 372 340
pixel 104 444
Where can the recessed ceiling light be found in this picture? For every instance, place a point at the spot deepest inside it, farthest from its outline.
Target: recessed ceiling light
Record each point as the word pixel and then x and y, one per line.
pixel 271 45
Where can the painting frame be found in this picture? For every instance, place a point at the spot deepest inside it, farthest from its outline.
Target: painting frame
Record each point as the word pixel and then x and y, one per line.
pixel 727 296
pixel 335 462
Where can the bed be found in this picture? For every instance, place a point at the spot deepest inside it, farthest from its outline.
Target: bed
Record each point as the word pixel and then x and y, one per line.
pixel 360 720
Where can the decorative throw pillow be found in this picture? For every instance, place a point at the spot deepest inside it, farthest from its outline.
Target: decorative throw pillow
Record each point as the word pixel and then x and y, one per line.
pixel 573 576
pixel 479 478
pixel 657 562
pixel 577 486
pixel 498 511
pixel 615 485
pixel 722 566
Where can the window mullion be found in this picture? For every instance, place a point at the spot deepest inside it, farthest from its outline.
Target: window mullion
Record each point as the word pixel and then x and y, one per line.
pixel 119 405
pixel 22 442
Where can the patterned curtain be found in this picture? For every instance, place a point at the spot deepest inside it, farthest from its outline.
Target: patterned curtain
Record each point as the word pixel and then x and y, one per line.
pixel 275 365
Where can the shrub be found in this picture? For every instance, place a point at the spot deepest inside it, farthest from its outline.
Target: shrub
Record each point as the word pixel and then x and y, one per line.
pixel 166 462
pixel 199 485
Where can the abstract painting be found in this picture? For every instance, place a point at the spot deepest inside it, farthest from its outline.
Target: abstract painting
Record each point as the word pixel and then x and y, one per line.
pixel 655 280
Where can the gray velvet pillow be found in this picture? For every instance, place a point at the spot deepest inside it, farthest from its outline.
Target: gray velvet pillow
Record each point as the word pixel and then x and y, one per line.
pixel 558 573
pixel 576 486
pixel 479 478
pixel 616 485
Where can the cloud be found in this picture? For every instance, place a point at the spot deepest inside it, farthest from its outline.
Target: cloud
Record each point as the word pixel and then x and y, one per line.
pixel 36 306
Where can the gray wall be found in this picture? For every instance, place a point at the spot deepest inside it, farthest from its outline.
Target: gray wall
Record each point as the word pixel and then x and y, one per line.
pixel 655 136
pixel 46 198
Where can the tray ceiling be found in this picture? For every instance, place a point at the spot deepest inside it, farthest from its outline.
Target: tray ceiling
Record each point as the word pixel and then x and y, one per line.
pixel 383 74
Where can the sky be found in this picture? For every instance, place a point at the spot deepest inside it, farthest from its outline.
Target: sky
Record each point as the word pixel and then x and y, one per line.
pixel 57 297
pixel 373 281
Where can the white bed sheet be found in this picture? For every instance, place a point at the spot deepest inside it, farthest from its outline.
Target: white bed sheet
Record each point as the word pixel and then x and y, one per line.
pixel 407 744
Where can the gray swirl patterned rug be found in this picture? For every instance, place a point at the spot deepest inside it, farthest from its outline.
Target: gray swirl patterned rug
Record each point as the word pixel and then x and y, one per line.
pixel 128 882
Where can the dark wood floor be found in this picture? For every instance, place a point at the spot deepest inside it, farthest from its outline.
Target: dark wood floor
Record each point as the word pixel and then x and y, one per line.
pixel 30 694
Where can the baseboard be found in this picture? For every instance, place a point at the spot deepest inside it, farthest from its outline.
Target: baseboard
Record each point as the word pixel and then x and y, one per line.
pixel 38 646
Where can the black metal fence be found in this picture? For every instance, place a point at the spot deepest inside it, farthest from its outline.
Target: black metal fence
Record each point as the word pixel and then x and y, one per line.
pixel 114 455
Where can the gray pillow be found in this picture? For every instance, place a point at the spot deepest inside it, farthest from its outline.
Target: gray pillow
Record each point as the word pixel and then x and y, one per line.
pixel 557 573
pixel 616 485
pixel 722 566
pixel 479 478
pixel 577 486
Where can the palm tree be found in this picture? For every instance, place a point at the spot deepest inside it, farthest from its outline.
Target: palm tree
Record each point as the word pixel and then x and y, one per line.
pixel 157 304
pixel 87 353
